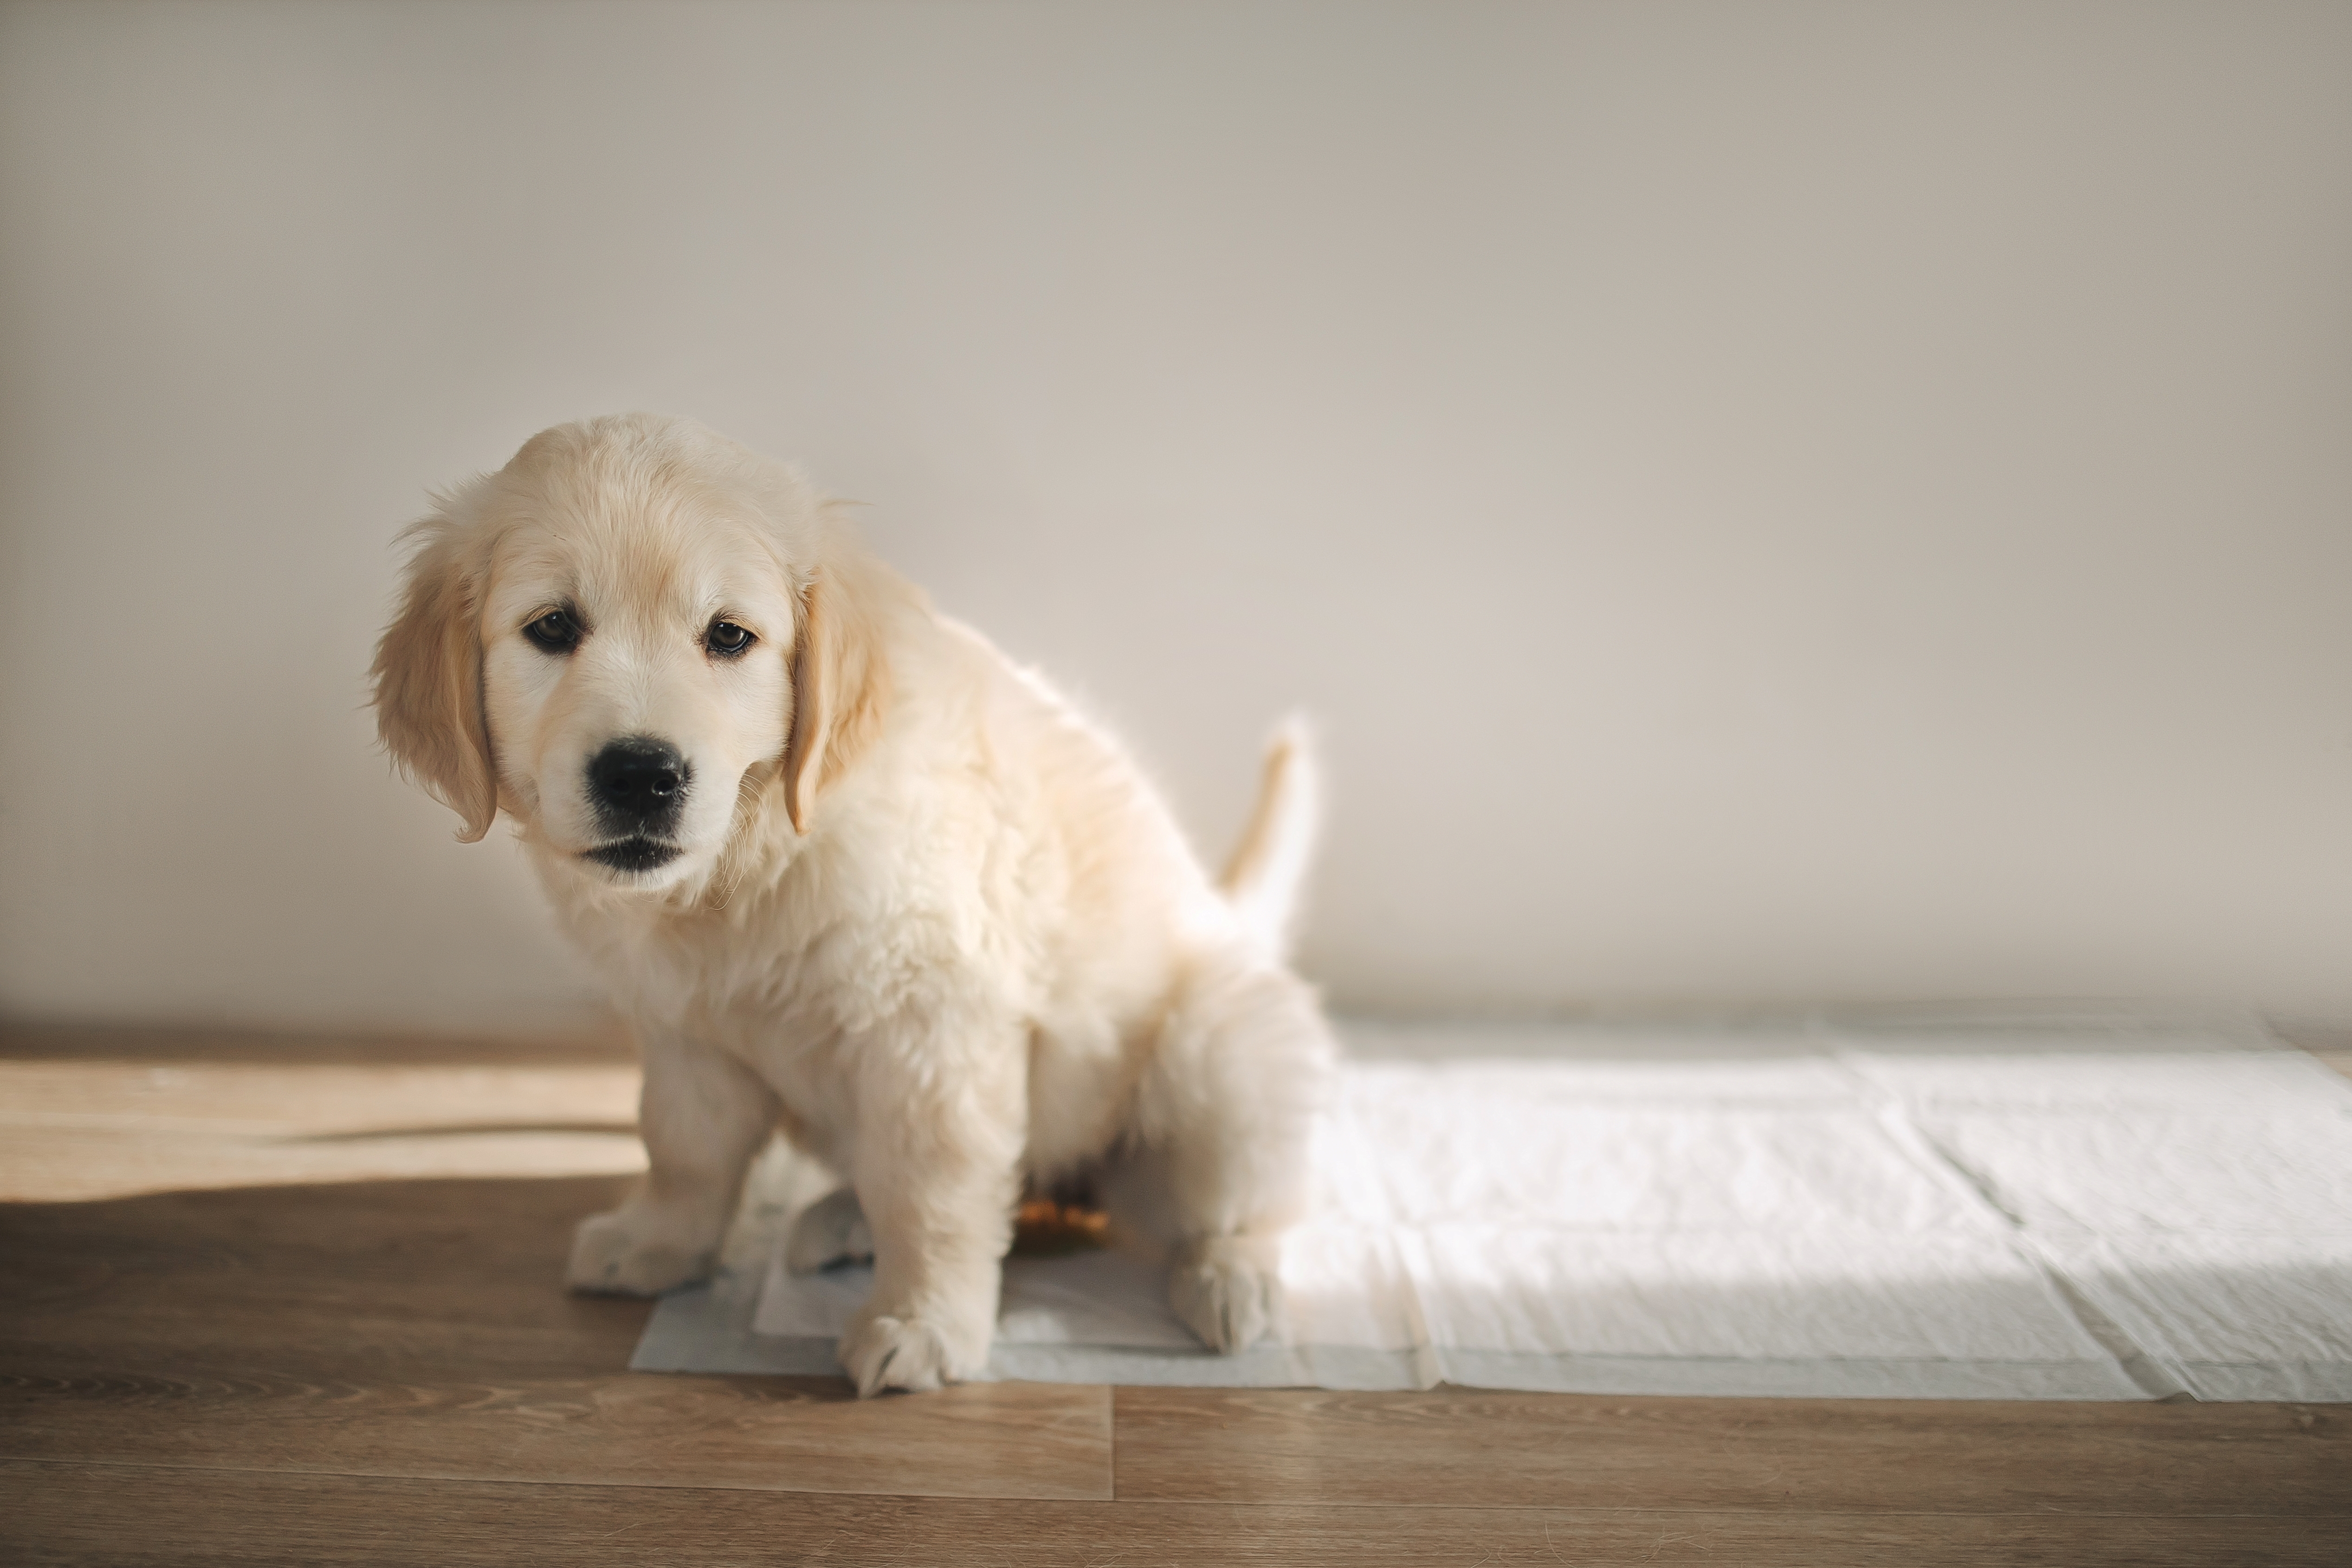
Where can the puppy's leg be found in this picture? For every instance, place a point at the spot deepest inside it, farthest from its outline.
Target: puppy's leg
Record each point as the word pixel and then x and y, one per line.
pixel 940 1130
pixel 1224 1118
pixel 703 1116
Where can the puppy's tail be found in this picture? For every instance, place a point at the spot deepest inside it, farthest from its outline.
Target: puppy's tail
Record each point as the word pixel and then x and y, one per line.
pixel 1262 877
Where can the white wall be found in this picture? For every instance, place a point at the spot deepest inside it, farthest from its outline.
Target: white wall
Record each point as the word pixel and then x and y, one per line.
pixel 1770 502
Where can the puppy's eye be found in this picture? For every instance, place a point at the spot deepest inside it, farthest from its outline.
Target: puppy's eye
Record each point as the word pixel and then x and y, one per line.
pixel 555 632
pixel 726 639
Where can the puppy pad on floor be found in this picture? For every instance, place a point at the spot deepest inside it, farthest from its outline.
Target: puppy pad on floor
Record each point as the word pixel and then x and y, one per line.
pixel 2084 1209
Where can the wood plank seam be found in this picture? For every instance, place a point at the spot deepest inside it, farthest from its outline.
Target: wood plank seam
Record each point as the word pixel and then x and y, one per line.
pixel 1202 1503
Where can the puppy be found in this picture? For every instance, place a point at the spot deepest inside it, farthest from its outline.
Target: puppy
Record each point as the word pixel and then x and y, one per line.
pixel 854 876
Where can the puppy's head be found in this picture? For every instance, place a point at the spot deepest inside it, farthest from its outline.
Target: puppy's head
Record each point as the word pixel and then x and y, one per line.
pixel 624 639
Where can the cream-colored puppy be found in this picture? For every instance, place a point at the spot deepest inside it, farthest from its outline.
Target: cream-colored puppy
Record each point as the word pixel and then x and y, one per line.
pixel 857 877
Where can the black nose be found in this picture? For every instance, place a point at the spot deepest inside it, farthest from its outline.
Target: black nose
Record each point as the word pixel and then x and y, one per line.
pixel 638 785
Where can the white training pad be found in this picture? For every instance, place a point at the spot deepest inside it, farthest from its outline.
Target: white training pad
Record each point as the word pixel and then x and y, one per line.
pixel 2097 1209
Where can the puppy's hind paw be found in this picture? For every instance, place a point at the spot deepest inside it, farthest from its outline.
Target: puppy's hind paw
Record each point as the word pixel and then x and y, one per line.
pixel 1227 1288
pixel 896 1353
pixel 829 1231
pixel 613 1255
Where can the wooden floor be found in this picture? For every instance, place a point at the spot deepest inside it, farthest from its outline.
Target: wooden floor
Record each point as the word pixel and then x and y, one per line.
pixel 292 1301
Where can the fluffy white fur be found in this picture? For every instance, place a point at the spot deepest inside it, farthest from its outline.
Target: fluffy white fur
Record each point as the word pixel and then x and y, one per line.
pixel 923 918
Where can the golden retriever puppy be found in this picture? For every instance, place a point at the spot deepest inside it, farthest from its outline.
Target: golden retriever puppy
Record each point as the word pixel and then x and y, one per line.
pixel 855 877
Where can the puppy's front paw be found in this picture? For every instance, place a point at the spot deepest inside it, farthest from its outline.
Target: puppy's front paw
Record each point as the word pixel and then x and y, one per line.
pixel 828 1231
pixel 1227 1288
pixel 884 1352
pixel 630 1253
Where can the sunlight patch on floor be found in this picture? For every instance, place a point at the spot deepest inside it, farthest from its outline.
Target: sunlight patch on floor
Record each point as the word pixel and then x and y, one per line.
pixel 82 1131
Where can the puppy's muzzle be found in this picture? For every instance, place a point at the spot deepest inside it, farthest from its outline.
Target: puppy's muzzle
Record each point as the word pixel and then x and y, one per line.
pixel 639 787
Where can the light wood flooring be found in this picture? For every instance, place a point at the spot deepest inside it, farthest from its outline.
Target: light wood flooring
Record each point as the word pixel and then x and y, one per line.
pixel 273 1300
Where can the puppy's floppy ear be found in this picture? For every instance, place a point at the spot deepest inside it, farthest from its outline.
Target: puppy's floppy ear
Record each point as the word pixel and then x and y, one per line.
pixel 840 686
pixel 428 682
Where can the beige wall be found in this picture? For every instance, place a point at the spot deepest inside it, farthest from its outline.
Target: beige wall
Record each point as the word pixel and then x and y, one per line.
pixel 1770 502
